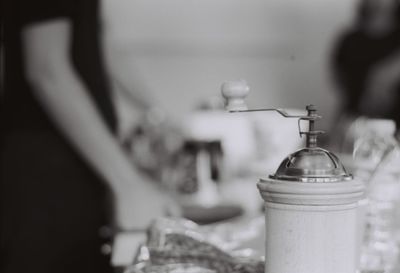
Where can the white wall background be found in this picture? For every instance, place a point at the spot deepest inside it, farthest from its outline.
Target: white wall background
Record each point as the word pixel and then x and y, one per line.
pixel 182 50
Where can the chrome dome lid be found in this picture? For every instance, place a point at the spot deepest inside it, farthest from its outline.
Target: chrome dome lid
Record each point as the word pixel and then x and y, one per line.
pixel 312 164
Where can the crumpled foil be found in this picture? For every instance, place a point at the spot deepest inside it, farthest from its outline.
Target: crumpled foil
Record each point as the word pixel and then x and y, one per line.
pixel 181 246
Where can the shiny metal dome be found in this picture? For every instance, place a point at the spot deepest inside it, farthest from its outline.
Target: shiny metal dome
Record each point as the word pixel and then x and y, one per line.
pixel 312 165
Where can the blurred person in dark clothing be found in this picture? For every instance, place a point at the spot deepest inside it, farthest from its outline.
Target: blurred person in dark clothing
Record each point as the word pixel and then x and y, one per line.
pixel 366 62
pixel 61 163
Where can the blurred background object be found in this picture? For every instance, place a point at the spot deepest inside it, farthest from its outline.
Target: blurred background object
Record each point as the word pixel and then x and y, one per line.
pixel 376 158
pixel 183 245
pixel 366 65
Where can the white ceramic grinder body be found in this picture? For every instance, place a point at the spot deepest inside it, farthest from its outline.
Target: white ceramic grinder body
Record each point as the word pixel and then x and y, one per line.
pixel 311 227
pixel 311 212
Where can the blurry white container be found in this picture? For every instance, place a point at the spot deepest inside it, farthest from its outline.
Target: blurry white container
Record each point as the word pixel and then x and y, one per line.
pixel 377 160
pixel 234 131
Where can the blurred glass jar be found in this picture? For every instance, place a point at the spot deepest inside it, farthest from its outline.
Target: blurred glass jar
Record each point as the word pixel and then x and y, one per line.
pixel 376 158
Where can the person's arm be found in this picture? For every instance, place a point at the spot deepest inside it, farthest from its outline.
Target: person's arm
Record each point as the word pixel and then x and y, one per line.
pixel 62 94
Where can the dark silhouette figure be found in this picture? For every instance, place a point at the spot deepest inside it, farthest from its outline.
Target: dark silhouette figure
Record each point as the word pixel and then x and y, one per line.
pixel 366 62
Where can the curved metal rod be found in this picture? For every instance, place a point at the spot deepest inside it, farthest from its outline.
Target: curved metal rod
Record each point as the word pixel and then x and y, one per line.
pixel 282 112
pixel 311 134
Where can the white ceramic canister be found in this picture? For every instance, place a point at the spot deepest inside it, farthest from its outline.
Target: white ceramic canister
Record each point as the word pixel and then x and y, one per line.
pixel 311 215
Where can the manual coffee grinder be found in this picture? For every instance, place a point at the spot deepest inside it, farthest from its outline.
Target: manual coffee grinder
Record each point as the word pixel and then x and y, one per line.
pixel 311 203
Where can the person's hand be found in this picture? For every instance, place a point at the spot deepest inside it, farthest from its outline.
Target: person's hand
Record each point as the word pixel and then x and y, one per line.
pixel 135 209
pixel 153 144
pixel 137 206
